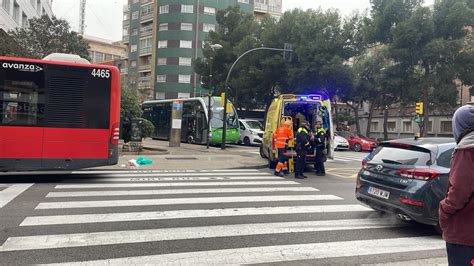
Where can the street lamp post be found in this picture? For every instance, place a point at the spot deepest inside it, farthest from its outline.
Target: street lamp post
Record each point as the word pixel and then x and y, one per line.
pixel 224 128
pixel 213 48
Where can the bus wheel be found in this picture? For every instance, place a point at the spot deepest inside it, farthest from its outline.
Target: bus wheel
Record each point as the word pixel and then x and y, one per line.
pixel 190 138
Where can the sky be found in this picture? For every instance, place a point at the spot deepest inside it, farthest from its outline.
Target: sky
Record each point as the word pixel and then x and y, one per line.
pixel 104 17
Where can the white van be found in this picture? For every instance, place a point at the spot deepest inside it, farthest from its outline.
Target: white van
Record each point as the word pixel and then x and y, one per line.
pixel 251 132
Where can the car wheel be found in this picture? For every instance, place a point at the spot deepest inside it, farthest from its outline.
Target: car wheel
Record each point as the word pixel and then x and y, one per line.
pixel 357 147
pixel 190 139
pixel 247 141
pixel 261 153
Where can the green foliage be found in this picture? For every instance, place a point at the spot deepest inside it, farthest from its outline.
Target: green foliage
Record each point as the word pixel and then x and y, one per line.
pixel 147 128
pixel 343 117
pixel 44 36
pixel 129 108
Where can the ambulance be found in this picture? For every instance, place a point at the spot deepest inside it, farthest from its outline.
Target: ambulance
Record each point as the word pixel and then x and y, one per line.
pixel 297 108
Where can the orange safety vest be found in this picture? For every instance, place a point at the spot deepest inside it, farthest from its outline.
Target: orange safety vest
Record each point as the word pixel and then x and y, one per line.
pixel 281 136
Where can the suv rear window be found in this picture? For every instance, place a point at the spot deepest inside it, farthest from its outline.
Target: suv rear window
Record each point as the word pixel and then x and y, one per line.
pixel 400 156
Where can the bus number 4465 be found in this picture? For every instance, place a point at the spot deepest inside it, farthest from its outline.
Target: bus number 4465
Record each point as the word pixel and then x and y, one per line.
pixel 101 73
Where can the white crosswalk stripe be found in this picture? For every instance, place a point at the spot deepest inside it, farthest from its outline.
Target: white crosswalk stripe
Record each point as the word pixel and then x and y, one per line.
pixel 11 191
pixel 199 206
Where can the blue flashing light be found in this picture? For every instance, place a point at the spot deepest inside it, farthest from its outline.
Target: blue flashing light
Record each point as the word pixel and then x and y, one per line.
pixel 315 97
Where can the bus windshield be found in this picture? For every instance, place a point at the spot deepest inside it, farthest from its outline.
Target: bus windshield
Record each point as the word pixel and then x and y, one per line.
pixel 218 117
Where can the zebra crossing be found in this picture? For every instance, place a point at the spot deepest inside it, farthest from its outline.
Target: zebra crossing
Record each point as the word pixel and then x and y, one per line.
pixel 9 192
pixel 200 217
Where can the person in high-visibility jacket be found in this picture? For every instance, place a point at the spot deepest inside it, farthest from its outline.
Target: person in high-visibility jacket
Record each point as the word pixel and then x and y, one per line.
pixel 320 146
pixel 281 136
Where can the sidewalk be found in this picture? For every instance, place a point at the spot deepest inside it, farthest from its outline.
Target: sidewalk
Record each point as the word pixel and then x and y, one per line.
pixel 190 156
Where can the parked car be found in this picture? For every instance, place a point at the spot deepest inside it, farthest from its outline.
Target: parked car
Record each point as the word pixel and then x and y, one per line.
pixel 407 177
pixel 251 131
pixel 358 142
pixel 340 143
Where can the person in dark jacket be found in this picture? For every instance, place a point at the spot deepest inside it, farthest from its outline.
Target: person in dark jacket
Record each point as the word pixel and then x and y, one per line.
pixel 456 211
pixel 302 144
pixel 319 140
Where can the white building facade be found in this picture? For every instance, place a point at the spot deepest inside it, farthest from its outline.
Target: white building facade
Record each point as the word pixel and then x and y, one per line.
pixel 16 13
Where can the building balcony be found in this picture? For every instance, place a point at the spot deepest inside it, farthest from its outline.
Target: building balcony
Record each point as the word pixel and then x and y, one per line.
pixel 126 22
pixel 144 2
pixel 126 8
pixel 144 68
pixel 144 83
pixel 124 71
pixel 146 32
pixel 146 17
pixel 145 51
pixel 126 38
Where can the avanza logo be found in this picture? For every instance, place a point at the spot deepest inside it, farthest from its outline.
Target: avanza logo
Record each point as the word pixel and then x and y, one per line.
pixel 22 67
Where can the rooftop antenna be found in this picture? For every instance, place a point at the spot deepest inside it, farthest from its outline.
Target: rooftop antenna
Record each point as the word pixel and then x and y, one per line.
pixel 82 16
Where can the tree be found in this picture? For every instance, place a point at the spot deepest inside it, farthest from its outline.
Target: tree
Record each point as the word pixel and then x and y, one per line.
pixel 129 109
pixel 430 46
pixel 42 37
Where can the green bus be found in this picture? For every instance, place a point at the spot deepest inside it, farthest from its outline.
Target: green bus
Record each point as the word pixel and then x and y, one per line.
pixel 194 126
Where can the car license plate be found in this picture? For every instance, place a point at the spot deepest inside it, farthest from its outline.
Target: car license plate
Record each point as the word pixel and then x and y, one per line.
pixel 379 193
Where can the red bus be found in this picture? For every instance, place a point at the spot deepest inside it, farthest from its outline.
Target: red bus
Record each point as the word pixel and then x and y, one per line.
pixel 58 115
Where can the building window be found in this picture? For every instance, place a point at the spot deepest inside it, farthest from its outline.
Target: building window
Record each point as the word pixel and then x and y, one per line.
pixel 16 12
pixel 374 126
pixel 162 61
pixel 147 10
pixel 133 63
pixel 187 9
pixel 6 5
pixel 429 126
pixel 407 126
pixel 24 20
pixel 135 32
pixel 145 43
pixel 133 48
pixel 185 61
pixel 164 9
pixel 445 127
pixel 183 95
pixel 160 96
pixel 392 126
pixel 187 26
pixel 161 78
pixel 162 44
pixel 163 27
pixel 243 1
pixel 209 10
pixel 135 1
pixel 126 31
pixel 126 16
pixel 135 15
pixel 184 78
pixel 185 44
pixel 208 27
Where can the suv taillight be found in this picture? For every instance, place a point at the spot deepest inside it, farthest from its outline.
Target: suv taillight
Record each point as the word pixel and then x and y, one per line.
pixel 420 174
pixel 114 134
pixel 365 164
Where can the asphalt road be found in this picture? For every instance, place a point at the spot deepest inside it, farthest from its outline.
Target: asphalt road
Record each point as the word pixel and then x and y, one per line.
pixel 202 217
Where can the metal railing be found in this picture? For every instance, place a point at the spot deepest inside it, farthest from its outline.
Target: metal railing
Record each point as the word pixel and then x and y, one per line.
pixel 146 32
pixel 126 38
pixel 146 16
pixel 144 67
pixel 145 1
pixel 146 50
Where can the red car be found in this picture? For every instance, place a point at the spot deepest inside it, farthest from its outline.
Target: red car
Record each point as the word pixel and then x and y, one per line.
pixel 358 142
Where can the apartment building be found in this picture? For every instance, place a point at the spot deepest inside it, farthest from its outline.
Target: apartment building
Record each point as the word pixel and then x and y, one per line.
pixel 164 37
pixel 16 13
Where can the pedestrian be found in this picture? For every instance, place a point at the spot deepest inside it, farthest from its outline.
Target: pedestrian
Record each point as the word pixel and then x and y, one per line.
pixel 281 136
pixel 456 211
pixel 320 149
pixel 302 144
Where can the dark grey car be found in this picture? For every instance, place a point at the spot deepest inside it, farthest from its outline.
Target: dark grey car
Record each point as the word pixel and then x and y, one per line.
pixel 407 177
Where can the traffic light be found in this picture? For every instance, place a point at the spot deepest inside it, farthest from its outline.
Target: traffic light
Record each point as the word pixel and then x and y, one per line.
pixel 222 99
pixel 419 108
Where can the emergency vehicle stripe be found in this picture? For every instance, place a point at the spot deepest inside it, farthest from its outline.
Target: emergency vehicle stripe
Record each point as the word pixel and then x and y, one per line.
pixel 176 201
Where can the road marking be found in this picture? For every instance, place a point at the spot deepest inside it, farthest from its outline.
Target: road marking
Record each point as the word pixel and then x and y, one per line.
pixel 176 201
pixel 11 192
pixel 285 253
pixel 179 184
pixel 183 214
pixel 182 233
pixel 192 174
pixel 166 171
pixel 175 191
pixel 144 178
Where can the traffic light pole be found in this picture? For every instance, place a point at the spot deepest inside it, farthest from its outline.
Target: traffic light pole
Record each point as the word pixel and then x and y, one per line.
pixel 224 120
